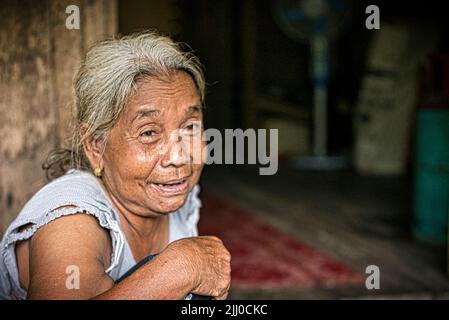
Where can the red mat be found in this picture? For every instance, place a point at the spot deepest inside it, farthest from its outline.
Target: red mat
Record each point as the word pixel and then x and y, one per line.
pixel 266 258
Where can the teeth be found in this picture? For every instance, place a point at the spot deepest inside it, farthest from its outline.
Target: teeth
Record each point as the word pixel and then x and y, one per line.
pixel 169 184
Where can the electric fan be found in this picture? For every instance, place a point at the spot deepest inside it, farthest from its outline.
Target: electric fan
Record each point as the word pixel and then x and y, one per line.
pixel 315 22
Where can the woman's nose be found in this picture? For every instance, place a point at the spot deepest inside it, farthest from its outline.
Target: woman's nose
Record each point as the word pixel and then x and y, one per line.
pixel 177 153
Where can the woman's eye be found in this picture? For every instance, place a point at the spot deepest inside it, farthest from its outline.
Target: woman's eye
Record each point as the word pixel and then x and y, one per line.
pixel 148 133
pixel 193 127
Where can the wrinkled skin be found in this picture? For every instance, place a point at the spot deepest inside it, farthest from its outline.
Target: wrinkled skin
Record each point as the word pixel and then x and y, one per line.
pixel 151 144
pixel 140 157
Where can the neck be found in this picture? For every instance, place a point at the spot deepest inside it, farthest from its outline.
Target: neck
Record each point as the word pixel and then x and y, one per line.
pixel 140 226
pixel 145 235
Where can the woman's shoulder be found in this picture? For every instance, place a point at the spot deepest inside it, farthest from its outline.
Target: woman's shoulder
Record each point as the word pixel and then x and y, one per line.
pixel 75 189
pixel 75 192
pixel 74 182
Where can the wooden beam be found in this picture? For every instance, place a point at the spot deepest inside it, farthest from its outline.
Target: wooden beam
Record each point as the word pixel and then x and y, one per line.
pixel 38 59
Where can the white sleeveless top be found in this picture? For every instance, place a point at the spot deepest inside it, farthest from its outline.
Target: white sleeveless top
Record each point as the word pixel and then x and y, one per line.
pixel 82 191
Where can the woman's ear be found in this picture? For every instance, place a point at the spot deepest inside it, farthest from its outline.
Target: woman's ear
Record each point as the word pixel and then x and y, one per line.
pixel 93 149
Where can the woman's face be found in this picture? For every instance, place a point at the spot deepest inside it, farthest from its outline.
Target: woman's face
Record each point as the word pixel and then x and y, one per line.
pixel 148 159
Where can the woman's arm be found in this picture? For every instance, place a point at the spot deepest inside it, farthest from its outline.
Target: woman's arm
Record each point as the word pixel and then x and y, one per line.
pixel 75 243
pixel 180 269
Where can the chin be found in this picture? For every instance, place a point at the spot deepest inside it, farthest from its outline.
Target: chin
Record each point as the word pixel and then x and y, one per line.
pixel 172 205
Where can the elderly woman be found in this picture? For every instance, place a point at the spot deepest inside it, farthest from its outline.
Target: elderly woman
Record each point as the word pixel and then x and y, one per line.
pixel 125 190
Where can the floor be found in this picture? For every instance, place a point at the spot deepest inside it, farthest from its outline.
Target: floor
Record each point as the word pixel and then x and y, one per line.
pixel 358 220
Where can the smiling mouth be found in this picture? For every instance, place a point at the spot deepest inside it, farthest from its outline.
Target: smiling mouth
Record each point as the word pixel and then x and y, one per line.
pixel 172 187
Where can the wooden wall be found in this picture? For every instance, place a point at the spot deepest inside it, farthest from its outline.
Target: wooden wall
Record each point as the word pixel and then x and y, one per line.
pixel 38 59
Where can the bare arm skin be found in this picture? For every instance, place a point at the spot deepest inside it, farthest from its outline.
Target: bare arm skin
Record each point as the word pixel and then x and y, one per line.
pixel 200 265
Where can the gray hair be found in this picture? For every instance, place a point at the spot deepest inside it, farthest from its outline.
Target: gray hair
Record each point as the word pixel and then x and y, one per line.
pixel 105 81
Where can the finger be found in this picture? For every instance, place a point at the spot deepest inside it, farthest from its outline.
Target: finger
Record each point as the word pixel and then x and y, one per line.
pixel 223 296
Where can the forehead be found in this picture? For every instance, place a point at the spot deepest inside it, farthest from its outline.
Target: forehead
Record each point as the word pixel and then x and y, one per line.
pixel 175 92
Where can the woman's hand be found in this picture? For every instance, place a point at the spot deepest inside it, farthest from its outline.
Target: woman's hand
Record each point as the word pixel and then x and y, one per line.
pixel 207 264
